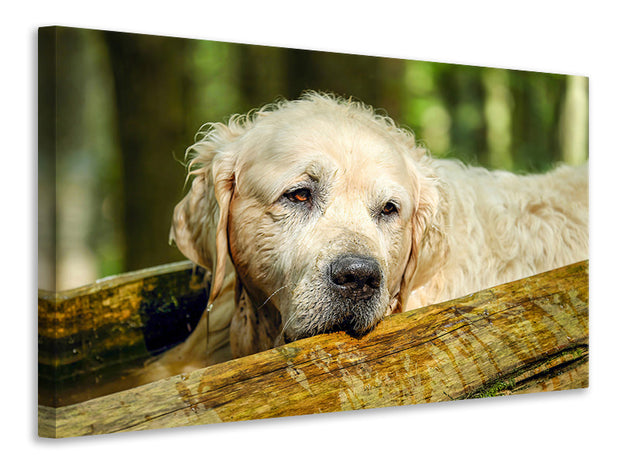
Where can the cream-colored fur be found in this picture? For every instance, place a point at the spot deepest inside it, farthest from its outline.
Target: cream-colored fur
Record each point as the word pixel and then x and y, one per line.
pixel 456 229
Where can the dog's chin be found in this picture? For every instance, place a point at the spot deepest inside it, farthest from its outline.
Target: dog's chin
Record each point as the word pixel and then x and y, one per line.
pixel 353 332
pixel 355 325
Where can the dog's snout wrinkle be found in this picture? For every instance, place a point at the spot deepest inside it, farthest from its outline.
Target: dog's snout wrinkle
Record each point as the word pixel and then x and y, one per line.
pixel 355 276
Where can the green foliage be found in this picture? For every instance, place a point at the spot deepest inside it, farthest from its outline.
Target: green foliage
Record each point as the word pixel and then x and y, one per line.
pixel 127 106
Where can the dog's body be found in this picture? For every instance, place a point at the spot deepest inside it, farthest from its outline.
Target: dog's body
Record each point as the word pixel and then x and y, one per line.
pixel 496 227
pixel 318 215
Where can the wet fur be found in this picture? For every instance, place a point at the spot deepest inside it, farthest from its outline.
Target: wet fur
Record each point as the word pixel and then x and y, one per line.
pixel 459 229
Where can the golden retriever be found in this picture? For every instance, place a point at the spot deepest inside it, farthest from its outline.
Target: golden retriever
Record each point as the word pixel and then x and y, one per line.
pixel 320 215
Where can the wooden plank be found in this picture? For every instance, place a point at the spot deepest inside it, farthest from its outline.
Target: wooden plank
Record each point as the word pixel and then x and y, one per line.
pixel 93 334
pixel 526 336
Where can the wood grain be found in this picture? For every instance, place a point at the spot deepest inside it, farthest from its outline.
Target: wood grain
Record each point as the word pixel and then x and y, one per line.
pixel 91 335
pixel 527 336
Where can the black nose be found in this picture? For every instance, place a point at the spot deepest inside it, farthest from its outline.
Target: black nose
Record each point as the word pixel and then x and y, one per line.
pixel 355 276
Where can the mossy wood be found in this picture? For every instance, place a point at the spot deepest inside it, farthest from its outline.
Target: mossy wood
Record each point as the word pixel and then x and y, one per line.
pixel 90 336
pixel 527 336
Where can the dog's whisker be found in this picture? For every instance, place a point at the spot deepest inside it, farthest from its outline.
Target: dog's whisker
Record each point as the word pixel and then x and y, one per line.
pixel 269 298
pixel 288 322
pixel 279 339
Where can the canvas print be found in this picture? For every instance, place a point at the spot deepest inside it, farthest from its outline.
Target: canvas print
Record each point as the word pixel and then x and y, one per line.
pixel 231 232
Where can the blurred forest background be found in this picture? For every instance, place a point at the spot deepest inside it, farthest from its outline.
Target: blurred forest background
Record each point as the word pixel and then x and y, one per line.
pixel 117 111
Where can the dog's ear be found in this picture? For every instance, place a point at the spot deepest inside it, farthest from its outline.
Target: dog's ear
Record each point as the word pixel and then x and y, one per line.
pixel 200 220
pixel 425 229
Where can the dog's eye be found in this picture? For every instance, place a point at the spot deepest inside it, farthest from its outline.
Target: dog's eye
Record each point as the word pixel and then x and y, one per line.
pixel 389 208
pixel 301 195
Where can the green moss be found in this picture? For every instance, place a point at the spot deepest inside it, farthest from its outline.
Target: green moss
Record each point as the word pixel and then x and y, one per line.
pixel 494 389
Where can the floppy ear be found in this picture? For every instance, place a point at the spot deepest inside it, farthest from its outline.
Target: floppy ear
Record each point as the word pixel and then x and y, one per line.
pixel 426 231
pixel 200 220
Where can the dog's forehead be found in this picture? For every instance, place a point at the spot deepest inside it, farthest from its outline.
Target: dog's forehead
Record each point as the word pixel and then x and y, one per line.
pixel 319 146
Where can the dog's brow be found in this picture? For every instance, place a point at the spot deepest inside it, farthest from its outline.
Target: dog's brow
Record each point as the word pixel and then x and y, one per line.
pixel 385 192
pixel 315 171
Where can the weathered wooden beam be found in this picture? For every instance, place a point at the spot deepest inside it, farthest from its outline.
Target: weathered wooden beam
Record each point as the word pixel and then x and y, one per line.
pixel 90 335
pixel 526 336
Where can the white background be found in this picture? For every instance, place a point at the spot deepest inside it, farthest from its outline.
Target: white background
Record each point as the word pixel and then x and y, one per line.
pixel 564 37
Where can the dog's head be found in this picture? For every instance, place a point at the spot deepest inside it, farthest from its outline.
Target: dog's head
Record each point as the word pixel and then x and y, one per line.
pixel 321 206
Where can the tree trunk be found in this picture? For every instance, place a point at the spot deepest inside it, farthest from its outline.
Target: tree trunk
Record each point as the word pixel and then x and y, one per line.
pixel 151 93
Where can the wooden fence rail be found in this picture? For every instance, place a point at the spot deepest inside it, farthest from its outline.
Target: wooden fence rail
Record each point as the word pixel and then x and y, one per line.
pixel 527 336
